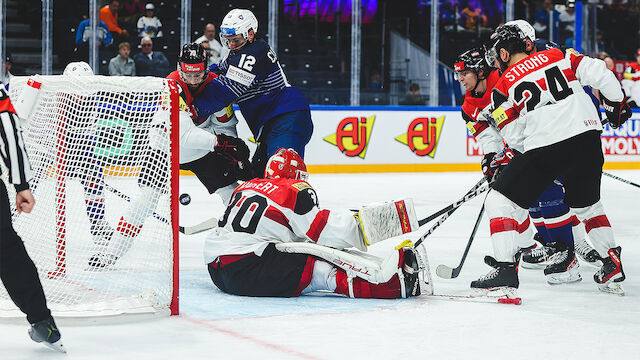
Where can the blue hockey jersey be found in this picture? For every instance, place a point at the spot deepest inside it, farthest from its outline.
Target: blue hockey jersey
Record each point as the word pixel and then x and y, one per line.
pixel 254 80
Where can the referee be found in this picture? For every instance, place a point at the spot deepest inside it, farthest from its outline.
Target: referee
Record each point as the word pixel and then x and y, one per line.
pixel 18 273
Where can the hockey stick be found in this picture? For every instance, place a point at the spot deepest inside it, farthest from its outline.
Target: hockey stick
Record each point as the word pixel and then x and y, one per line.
pixel 482 299
pixel 128 198
pixel 452 206
pixel 198 228
pixel 446 272
pixel 621 179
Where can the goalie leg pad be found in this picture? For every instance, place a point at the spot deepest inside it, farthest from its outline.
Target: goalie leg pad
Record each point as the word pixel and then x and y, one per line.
pixel 383 221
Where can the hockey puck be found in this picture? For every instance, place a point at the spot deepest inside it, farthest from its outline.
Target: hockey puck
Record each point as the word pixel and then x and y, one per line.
pixel 185 199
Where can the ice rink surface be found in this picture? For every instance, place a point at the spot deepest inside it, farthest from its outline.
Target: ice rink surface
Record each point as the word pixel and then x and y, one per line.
pixel 573 321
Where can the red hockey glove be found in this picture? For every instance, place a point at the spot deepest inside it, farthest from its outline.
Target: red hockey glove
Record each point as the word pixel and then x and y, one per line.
pixel 617 112
pixel 498 163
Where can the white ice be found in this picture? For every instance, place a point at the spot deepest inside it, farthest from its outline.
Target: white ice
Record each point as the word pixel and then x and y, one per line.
pixel 573 321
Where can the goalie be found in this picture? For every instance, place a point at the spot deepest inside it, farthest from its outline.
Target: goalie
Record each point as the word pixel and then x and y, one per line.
pixel 274 240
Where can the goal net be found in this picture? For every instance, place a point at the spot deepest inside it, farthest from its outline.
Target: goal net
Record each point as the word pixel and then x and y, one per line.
pixel 103 232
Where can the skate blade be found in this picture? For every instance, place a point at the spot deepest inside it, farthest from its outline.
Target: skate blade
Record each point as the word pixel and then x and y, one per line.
pixel 57 346
pixel 559 280
pixel 497 292
pixel 611 287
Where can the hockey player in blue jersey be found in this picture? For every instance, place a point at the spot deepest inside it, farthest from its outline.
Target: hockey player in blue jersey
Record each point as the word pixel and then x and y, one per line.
pixel 277 113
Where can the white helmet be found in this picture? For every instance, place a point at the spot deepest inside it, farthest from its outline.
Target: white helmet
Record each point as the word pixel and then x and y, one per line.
pixel 526 28
pixel 237 21
pixel 79 68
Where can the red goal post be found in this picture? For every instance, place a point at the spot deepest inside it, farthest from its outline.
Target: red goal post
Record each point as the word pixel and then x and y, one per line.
pixel 104 153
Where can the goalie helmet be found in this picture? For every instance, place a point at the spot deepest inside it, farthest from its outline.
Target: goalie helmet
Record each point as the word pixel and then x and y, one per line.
pixel 78 68
pixel 193 64
pixel 472 60
pixel 286 164
pixel 237 22
pixel 508 37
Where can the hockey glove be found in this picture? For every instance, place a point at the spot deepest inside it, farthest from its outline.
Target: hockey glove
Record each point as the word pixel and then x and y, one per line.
pixel 237 153
pixel 498 163
pixel 617 112
pixel 486 165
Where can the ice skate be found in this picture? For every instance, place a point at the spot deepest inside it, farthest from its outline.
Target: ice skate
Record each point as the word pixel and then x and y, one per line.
pixel 563 265
pixel 101 232
pixel 611 274
pixel 47 332
pixel 587 254
pixel 410 271
pixel 537 258
pixel 501 281
pixel 100 260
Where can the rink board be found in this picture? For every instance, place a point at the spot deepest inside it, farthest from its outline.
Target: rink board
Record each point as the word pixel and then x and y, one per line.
pixel 417 139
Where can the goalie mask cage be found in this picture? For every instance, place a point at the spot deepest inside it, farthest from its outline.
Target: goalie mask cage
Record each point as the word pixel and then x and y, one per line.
pixel 94 144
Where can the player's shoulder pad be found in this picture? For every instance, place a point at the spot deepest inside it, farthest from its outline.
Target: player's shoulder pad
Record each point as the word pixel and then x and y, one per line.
pixel 306 199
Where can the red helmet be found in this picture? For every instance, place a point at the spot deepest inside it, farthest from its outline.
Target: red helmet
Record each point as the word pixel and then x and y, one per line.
pixel 286 164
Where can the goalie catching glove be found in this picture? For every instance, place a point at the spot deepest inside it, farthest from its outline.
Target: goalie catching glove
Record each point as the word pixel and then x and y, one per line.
pixel 617 112
pixel 379 222
pixel 493 163
pixel 237 153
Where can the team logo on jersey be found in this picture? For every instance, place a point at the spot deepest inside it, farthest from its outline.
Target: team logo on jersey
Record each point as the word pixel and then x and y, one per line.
pixel 352 135
pixel 624 140
pixel 423 135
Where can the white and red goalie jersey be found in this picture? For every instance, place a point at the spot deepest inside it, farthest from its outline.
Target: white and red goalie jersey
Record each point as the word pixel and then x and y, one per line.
pixel 541 97
pixel 264 211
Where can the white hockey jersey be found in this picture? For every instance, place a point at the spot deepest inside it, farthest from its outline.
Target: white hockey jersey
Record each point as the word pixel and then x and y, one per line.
pixel 541 99
pixel 264 211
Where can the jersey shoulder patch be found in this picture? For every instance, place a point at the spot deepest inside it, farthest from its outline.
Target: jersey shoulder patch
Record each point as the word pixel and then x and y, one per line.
pixel 301 185
pixel 306 200
pixel 573 52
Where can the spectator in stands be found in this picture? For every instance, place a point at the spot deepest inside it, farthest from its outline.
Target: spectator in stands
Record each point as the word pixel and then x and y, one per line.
pixel 8 61
pixel 217 52
pixel 122 64
pixel 541 25
pixel 149 24
pixel 149 62
pixel 413 96
pixel 131 12
pixel 566 22
pixel 473 16
pixel 610 64
pixel 83 35
pixel 376 81
pixel 109 14
pixel 631 81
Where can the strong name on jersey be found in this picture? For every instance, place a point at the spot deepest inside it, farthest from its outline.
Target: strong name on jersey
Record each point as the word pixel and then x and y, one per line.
pixel 264 211
pixel 476 113
pixel 541 97
pixel 253 78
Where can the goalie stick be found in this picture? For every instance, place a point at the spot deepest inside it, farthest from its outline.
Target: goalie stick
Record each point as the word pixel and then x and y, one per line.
pixel 481 299
pixel 198 228
pixel 620 179
pixel 450 207
pixel 446 272
pixel 453 207
pixel 187 230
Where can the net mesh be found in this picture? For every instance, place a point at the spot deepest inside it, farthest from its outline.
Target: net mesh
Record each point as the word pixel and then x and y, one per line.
pixel 101 233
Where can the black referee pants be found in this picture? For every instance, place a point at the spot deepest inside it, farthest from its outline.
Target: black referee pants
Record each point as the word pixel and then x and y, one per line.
pixel 18 273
